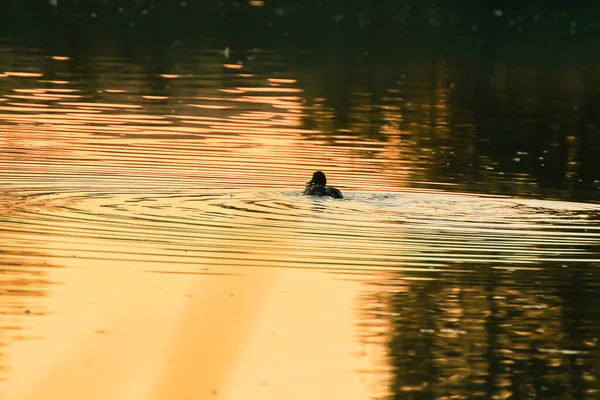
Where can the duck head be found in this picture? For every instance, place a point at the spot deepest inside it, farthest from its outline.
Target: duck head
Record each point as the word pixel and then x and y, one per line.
pixel 318 179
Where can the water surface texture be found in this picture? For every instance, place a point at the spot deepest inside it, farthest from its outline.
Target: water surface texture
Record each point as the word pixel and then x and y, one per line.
pixel 155 242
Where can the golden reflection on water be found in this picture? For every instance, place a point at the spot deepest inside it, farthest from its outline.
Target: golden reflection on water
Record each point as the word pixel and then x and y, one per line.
pixel 158 246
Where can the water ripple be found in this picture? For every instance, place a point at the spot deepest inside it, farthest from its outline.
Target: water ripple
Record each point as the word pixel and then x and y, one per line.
pixel 419 232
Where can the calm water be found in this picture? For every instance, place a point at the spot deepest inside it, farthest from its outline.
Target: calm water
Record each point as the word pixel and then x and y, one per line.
pixel 155 242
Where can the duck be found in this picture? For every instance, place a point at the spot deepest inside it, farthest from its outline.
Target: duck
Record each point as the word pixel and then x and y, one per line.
pixel 316 187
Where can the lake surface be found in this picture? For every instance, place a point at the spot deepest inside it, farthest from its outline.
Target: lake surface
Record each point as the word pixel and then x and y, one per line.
pixel 156 243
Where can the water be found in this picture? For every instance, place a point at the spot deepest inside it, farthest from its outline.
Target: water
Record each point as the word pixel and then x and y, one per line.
pixel 155 242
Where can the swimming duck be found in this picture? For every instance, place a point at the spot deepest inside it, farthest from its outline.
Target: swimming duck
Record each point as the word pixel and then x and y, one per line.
pixel 316 187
